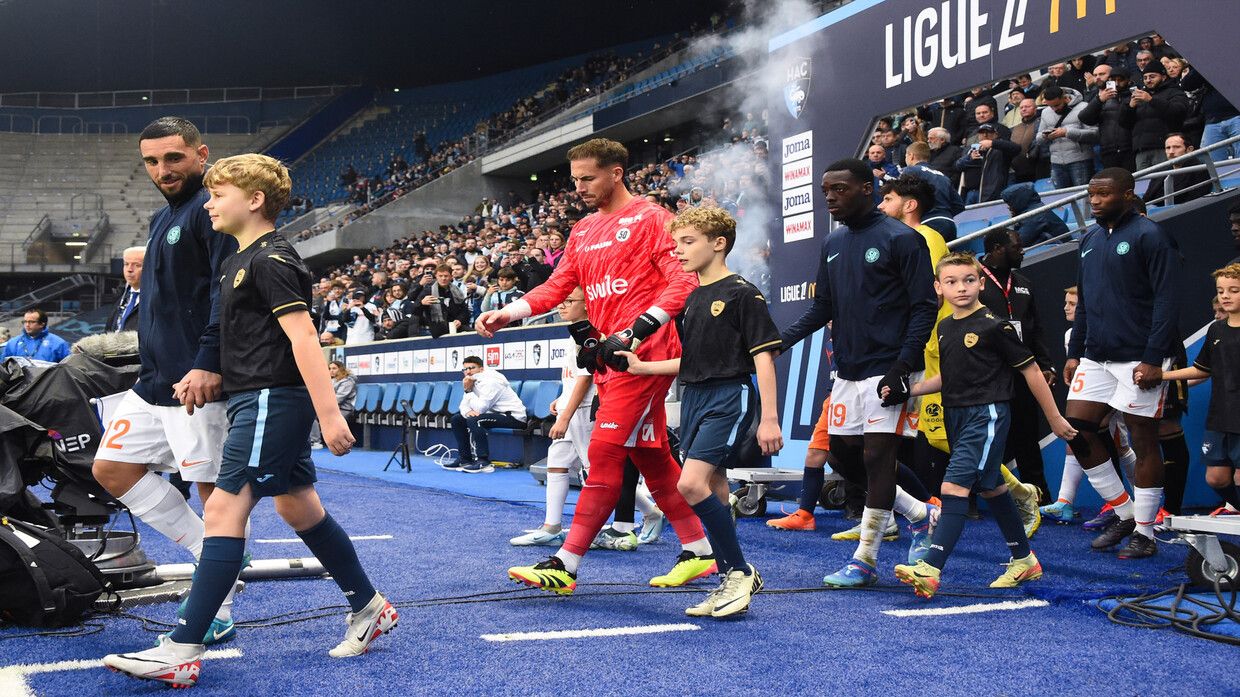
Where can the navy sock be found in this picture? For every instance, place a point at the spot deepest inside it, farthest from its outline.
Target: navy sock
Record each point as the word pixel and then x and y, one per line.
pixel 947 532
pixel 218 566
pixel 1003 508
pixel 717 520
pixel 331 545
pixel 811 487
pixel 1229 494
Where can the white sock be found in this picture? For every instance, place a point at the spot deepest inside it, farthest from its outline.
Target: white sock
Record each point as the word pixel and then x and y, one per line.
pixel 225 611
pixel 158 504
pixel 623 527
pixel 1128 463
pixel 557 492
pixel 873 524
pixel 571 561
pixel 1148 501
pixel 1071 480
pixel 701 548
pixel 1106 482
pixel 645 502
pixel 909 507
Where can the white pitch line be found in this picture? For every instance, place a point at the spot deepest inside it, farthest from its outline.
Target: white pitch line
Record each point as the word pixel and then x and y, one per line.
pixel 967 609
pixel 287 540
pixel 591 633
pixel 13 678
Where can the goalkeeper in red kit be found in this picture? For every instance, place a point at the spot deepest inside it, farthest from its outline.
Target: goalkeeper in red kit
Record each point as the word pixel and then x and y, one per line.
pixel 622 255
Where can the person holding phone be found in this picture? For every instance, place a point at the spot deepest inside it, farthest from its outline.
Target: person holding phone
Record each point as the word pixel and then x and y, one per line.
pixel 1069 141
pixel 1102 110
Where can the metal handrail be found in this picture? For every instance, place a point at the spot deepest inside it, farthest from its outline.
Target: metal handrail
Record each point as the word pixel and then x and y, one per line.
pixel 147 97
pixel 1080 192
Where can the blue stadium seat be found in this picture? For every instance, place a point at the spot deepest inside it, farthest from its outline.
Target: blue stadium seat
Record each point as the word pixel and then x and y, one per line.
pixel 371 408
pixel 417 403
pixel 359 400
pixel 547 392
pixel 516 386
pixel 404 395
pixel 437 407
pixel 387 405
pixel 455 397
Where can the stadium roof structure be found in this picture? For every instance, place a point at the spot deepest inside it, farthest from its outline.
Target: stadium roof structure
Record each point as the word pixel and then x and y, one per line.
pixel 105 45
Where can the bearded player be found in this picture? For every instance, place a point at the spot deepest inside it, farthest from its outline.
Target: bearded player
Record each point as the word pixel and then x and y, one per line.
pixel 623 256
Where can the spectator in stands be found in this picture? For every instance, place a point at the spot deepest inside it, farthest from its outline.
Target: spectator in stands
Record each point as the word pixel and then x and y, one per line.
pixel 360 318
pixel 883 169
pixel 1233 220
pixel 124 316
pixel 1104 111
pixel 1160 48
pixel 949 115
pixel 1057 74
pixel 1122 57
pixel 1068 140
pixel 444 310
pixel 1029 165
pixel 1079 74
pixel 1194 185
pixel 984 169
pixel 346 393
pixel 1026 86
pixel 555 248
pixel 1144 58
pixel 1021 198
pixel 1152 113
pixel 944 153
pixel 947 202
pixel 974 98
pixel 406 318
pixel 1220 118
pixel 984 114
pixel 332 328
pixel 35 341
pixel 504 291
pixel 1011 110
pixel 489 402
pixel 533 270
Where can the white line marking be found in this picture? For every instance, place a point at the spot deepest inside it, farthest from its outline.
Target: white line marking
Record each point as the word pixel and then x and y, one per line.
pixel 589 633
pixel 13 678
pixel 968 609
pixel 287 540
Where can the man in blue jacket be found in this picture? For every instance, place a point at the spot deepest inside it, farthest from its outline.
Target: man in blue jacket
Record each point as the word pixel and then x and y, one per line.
pixel 152 431
pixel 1122 339
pixel 876 287
pixel 1021 198
pixel 36 341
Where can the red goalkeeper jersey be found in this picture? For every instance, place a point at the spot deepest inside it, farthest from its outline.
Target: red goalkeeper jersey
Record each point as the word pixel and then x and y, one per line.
pixel 625 261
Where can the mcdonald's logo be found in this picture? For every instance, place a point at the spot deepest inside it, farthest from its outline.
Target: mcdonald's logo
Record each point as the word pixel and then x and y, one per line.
pixel 1082 8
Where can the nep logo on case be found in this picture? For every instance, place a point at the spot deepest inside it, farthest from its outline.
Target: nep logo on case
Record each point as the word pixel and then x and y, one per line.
pixel 796 87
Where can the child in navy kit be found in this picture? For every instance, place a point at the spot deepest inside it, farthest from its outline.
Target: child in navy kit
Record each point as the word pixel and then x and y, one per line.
pixel 1219 360
pixel 979 355
pixel 727 335
pixel 277 380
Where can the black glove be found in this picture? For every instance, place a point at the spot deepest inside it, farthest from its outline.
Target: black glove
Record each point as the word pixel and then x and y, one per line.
pixel 588 356
pixel 628 340
pixel 587 339
pixel 897 378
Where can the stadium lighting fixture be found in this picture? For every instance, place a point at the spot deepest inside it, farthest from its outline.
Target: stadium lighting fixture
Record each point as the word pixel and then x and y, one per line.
pixel 534 177
pixel 76 244
pixel 667 139
pixel 395 89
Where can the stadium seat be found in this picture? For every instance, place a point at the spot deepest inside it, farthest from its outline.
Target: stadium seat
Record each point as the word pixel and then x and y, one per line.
pixel 455 397
pixel 387 405
pixel 437 408
pixel 404 394
pixel 417 403
pixel 371 408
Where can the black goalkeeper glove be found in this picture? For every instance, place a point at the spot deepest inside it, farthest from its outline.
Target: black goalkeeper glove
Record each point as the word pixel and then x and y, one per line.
pixel 897 378
pixel 628 340
pixel 588 342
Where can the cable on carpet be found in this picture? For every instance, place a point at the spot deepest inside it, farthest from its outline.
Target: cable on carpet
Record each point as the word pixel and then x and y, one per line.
pixel 1186 614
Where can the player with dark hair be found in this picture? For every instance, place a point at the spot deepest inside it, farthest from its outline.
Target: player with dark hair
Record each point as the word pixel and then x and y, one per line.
pixel 1122 340
pixel 151 431
pixel 622 255
pixel 876 286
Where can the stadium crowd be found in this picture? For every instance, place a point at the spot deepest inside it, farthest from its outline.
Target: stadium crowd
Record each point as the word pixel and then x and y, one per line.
pixel 1134 105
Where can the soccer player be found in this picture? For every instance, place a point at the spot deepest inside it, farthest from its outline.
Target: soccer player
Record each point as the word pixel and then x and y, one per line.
pixel 978 354
pixel 1125 326
pixel 622 255
pixel 876 286
pixel 277 383
pixel 151 431
pixel 728 335
pixel 570 435
pixel 1219 360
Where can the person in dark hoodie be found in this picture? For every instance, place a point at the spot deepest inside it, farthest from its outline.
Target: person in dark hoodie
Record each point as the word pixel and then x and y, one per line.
pixel 1152 113
pixel 984 166
pixel 1041 227
pixel 1103 110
